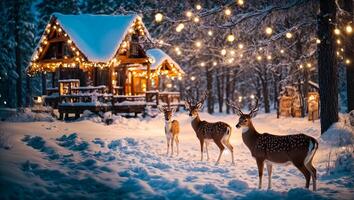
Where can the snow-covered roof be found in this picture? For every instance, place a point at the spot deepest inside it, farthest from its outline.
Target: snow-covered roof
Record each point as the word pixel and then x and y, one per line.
pixel 158 57
pixel 97 36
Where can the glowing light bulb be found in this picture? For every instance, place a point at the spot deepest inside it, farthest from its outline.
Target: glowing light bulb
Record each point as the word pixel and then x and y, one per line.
pixel 180 27
pixel 301 66
pixel 348 29
pixel 196 19
pixel 210 33
pixel 269 31
pixel 252 96
pixel 228 12
pixel 223 52
pixel 347 61
pixel 215 63
pixel 318 41
pixel 198 7
pixel 192 78
pixel 202 64
pixel 259 58
pixel 282 51
pixel 240 46
pixel 232 52
pixel 288 35
pixel 158 17
pixel 198 44
pixel 309 65
pixel 269 57
pixel 230 38
pixel 189 14
pixel 240 2
pixel 336 31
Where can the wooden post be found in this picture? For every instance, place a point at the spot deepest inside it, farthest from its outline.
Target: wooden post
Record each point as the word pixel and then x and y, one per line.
pixel 148 79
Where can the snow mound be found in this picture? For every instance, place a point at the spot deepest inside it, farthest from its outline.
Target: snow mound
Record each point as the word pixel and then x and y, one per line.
pixel 344 164
pixel 26 115
pixel 72 142
pixel 339 134
pixel 122 144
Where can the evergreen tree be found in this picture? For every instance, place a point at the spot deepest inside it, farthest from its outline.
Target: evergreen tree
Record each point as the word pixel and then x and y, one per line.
pixel 98 6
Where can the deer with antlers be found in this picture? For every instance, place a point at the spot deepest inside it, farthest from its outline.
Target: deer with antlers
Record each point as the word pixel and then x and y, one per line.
pixel 171 128
pixel 271 149
pixel 219 132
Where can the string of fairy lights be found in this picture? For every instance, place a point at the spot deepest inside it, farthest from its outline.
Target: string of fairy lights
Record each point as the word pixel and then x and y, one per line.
pixel 194 16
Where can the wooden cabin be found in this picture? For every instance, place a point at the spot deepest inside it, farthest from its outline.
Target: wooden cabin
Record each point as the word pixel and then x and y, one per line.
pixel 98 63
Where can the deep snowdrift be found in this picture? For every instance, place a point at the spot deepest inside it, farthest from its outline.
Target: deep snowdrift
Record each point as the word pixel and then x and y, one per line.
pixel 126 160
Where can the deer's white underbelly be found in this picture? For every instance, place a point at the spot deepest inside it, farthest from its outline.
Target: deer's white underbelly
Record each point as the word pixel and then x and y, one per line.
pixel 275 163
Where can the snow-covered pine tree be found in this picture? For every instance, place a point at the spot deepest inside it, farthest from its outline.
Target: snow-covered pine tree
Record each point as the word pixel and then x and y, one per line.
pixel 21 21
pixel 8 75
pixel 98 6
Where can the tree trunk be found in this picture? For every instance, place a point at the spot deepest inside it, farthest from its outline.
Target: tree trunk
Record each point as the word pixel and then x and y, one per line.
pixel 327 66
pixel 209 76
pixel 228 89
pixel 28 91
pixel 265 93
pixel 220 88
pixel 349 54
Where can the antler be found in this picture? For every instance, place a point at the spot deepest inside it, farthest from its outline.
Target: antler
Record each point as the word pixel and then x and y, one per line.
pixel 236 108
pixel 255 108
pixel 201 101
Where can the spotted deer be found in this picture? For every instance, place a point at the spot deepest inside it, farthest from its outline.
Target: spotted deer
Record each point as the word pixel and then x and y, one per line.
pixel 271 149
pixel 171 128
pixel 219 132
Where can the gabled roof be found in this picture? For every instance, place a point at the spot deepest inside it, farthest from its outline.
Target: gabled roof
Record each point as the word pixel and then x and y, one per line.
pixel 97 36
pixel 159 57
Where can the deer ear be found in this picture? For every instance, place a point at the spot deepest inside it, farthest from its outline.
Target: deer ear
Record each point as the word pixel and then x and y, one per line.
pixel 199 105
pixel 253 113
pixel 174 109
pixel 160 108
pixel 186 104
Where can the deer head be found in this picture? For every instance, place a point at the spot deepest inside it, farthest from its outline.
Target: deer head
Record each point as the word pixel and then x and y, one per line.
pixel 167 111
pixel 245 119
pixel 194 108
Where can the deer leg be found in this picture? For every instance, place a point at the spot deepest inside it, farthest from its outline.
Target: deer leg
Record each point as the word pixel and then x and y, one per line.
pixel 221 147
pixel 305 172
pixel 172 139
pixel 201 149
pixel 231 149
pixel 168 145
pixel 260 165
pixel 206 149
pixel 313 172
pixel 269 169
pixel 177 144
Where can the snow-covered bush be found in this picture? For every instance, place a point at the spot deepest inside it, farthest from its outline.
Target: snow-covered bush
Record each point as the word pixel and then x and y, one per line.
pixel 26 115
pixel 339 134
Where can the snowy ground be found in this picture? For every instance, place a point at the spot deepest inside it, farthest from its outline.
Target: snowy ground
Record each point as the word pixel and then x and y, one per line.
pixel 126 160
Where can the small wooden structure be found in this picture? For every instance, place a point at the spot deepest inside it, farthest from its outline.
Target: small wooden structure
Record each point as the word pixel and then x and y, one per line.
pixel 290 102
pixel 313 106
pixel 98 63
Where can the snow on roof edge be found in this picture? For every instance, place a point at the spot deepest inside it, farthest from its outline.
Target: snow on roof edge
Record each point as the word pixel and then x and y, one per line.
pixel 159 57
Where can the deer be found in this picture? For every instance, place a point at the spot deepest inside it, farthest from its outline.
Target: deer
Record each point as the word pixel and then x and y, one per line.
pixel 219 132
pixel 171 128
pixel 298 149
